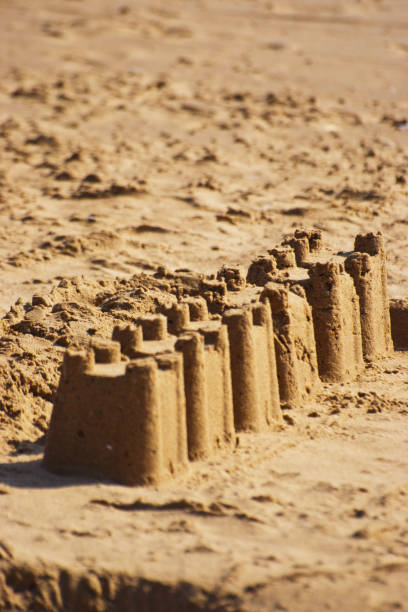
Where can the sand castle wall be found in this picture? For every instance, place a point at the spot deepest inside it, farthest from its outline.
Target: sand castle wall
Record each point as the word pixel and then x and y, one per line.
pixel 177 385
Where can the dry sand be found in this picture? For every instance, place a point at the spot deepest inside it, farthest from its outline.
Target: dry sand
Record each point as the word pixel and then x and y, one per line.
pixel 194 134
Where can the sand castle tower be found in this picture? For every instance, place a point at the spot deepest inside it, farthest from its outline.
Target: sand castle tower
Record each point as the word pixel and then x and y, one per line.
pixel 208 391
pixel 367 267
pixel 399 322
pixel 253 368
pixel 336 320
pixel 295 346
pixel 116 420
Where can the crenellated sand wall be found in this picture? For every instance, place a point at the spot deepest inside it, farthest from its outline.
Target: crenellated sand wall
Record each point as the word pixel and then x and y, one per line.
pixel 178 385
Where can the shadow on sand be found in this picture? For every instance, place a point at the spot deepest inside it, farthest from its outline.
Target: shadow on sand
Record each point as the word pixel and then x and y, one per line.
pixel 23 468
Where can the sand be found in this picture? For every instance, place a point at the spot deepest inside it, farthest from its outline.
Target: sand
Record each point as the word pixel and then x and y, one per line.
pixel 139 135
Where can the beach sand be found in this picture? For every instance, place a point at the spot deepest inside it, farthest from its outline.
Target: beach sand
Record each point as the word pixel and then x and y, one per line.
pixel 191 135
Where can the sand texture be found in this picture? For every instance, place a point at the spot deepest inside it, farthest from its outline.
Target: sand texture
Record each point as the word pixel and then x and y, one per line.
pixel 190 201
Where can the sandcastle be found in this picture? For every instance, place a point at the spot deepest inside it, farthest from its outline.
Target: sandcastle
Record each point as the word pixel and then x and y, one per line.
pixel 177 385
pixel 399 323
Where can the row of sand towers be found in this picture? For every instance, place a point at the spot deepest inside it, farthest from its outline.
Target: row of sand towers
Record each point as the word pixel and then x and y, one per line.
pixel 177 386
